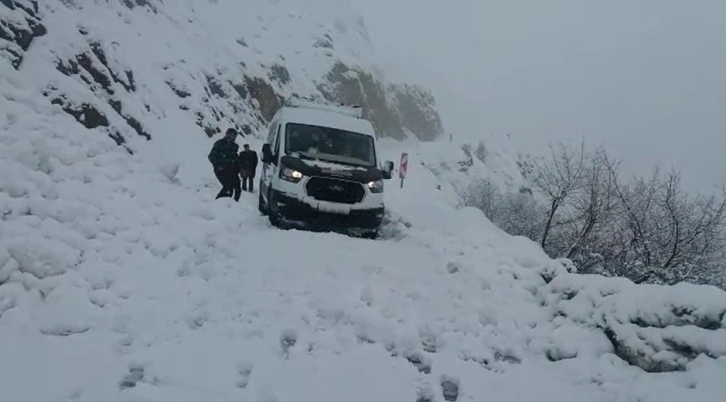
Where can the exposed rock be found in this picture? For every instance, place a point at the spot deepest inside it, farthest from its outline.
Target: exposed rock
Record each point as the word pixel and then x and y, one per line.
pixel 481 152
pixel 395 111
pixel 279 74
pixel 208 129
pixel 131 4
pixel 93 68
pixel 221 99
pixel 240 89
pixel 467 163
pixel 268 101
pixel 180 92
pixel 356 87
pixel 16 35
pixel 326 42
pixel 86 114
pixel 90 117
pixel 130 120
pixel 417 110
pixel 215 88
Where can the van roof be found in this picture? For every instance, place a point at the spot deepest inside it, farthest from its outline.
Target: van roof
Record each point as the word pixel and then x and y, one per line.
pixel 325 118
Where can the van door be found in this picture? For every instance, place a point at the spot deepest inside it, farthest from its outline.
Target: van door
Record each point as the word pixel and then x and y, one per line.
pixel 269 170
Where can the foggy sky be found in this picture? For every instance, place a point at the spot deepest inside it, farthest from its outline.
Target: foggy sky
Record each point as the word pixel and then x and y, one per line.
pixel 645 78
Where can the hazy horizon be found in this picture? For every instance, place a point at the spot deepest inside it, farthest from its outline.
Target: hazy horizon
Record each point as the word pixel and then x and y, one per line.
pixel 644 79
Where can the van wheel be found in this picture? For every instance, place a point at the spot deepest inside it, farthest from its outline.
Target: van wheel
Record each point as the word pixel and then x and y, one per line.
pixel 373 235
pixel 272 212
pixel 261 205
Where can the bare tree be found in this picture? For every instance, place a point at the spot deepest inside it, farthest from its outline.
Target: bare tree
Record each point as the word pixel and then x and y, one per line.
pixel 557 178
pixel 517 213
pixel 482 194
pixel 669 234
pixel 647 228
pixel 593 207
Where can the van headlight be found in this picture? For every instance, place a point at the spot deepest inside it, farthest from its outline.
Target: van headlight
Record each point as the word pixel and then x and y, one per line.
pixel 376 186
pixel 290 175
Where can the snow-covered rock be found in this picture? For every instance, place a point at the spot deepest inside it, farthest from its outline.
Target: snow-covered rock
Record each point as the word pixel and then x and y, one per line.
pixel 19 26
pixel 658 328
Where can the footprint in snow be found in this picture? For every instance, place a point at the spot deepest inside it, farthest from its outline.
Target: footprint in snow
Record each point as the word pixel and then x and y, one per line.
pixel 417 359
pixel 453 267
pixel 428 343
pixel 424 395
pixel 287 341
pixel 135 374
pixel 197 319
pixel 420 362
pixel 244 369
pixel 450 388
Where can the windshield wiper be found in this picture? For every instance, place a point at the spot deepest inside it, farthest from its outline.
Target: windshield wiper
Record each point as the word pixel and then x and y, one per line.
pixel 304 155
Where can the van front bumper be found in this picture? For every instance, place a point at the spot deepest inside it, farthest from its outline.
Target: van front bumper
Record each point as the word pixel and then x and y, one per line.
pixel 327 216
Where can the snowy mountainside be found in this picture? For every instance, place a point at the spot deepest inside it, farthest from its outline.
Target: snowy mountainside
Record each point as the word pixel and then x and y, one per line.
pixel 121 279
pixel 128 68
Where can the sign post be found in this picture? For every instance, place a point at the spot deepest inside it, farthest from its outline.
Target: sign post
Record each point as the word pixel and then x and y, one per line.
pixel 403 167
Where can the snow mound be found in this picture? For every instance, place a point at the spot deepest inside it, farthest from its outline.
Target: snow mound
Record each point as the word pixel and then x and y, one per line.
pixel 458 165
pixel 657 328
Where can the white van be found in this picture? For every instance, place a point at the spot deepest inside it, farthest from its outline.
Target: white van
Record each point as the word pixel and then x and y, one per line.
pixel 320 170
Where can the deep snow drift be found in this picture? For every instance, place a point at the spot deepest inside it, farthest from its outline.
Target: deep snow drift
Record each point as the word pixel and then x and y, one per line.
pixel 125 283
pixel 122 279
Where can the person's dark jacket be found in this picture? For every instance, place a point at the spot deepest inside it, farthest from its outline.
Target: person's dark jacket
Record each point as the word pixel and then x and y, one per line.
pixel 224 154
pixel 248 161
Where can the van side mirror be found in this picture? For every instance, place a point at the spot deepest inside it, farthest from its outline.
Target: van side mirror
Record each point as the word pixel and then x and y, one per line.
pixel 267 154
pixel 387 170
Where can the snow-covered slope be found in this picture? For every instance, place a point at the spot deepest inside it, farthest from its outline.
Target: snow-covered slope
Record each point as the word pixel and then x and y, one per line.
pixel 136 69
pixel 121 283
pixel 121 279
pixel 463 164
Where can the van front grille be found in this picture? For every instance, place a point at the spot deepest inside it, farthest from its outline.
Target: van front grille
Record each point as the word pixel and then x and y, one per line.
pixel 334 190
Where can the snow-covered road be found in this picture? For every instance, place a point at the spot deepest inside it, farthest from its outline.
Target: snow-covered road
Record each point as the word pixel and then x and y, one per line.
pixel 120 283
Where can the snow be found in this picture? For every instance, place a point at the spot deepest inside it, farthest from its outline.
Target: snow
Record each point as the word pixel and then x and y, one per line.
pixel 327 117
pixel 122 279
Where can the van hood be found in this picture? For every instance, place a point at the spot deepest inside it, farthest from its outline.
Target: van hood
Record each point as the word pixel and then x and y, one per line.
pixel 332 169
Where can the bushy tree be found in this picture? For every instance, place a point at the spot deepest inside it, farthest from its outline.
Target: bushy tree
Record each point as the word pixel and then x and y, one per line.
pixel 517 213
pixel 648 229
pixel 670 235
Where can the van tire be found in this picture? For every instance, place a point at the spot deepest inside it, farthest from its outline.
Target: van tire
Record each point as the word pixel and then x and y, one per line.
pixel 373 235
pixel 272 213
pixel 261 206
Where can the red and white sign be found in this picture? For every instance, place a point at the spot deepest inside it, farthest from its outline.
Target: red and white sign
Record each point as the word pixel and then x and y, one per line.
pixel 403 167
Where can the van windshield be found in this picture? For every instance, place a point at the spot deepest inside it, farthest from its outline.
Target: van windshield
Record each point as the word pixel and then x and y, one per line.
pixel 329 144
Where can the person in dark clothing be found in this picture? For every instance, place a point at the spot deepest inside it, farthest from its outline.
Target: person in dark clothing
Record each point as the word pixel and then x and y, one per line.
pixel 247 167
pixel 225 161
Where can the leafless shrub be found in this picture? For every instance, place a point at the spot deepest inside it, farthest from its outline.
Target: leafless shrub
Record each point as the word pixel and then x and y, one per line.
pixel 648 229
